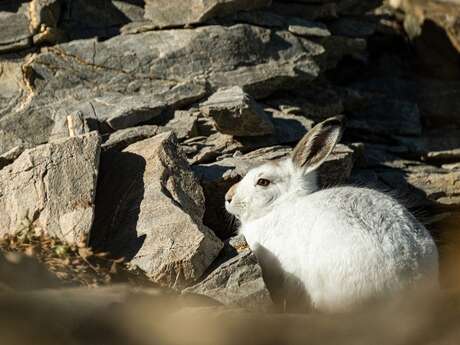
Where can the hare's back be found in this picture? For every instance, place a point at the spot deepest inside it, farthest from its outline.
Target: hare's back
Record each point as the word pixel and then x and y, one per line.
pixel 373 225
pixel 367 212
pixel 364 242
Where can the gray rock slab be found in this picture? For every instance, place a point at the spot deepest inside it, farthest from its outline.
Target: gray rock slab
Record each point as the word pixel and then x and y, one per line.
pixel 150 208
pixel 52 187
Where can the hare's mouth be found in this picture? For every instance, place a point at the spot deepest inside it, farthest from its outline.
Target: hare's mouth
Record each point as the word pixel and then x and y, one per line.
pixel 233 209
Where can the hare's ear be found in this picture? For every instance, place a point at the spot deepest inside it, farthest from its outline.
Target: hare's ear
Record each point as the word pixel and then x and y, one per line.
pixel 317 144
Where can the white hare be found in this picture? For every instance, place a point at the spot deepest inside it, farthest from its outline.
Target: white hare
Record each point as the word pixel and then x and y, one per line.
pixel 333 248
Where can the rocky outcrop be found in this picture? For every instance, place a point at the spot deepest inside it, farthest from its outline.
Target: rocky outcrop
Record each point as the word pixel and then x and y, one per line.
pixel 150 209
pixel 135 84
pixel 52 187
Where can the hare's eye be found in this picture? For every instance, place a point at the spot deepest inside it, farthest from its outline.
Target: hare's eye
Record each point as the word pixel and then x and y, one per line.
pixel 263 182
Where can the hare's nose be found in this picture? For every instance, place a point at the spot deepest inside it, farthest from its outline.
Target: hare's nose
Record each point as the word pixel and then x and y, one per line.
pixel 228 198
pixel 231 193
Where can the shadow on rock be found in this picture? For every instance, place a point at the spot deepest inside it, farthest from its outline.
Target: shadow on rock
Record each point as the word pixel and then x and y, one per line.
pixel 119 195
pixel 98 18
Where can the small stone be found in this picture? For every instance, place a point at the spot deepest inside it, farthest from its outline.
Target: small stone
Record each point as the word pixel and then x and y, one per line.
pixel 307 29
pixel 236 113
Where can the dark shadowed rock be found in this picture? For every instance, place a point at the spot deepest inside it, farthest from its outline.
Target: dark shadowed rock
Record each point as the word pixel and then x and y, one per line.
pixel 150 209
pixel 235 112
pixel 164 13
pixel 309 11
pixel 444 13
pixel 101 18
pixel 435 145
pixel 387 117
pixel 353 26
pixel 52 187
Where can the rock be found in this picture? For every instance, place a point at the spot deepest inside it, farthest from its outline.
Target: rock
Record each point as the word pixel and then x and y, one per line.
pixel 386 116
pixel 77 124
pixel 452 166
pixel 443 156
pixel 183 124
pixel 306 11
pixel 353 27
pixel 119 111
pixel 439 185
pixel 314 102
pixel 42 189
pixel 150 211
pixel 14 26
pixel 169 14
pixel 437 100
pixel 237 282
pixel 204 149
pixel 25 23
pixel 435 145
pixel 444 13
pixel 308 28
pixel 44 18
pixel 9 156
pixel 62 79
pixel 98 18
pixel 357 7
pixel 340 46
pixel 44 12
pixel 288 128
pixel 125 137
pixel 211 144
pixel 236 113
pixel 337 168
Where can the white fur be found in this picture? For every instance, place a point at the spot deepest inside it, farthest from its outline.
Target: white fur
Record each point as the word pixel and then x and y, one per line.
pixel 339 246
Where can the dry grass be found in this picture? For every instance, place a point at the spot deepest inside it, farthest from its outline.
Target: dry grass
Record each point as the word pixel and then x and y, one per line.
pixel 73 264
